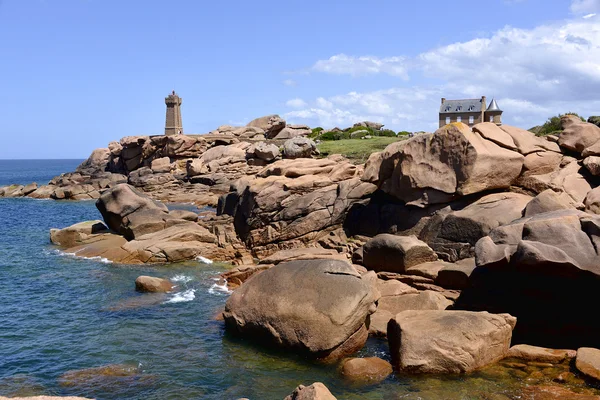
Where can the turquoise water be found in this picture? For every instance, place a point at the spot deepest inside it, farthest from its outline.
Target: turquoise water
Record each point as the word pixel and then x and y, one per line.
pixel 60 313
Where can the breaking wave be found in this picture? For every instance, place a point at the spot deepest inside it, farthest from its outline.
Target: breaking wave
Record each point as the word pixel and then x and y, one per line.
pixel 184 296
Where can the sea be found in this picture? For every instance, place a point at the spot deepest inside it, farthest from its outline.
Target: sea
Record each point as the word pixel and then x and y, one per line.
pixel 61 313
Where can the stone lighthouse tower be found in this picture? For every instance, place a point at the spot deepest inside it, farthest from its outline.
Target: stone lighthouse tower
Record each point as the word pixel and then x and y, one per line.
pixel 173 124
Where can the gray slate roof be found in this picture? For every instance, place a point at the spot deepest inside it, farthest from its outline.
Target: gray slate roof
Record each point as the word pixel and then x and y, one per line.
pixel 461 106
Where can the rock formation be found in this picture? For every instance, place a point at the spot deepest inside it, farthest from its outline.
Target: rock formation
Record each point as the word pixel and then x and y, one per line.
pixel 317 307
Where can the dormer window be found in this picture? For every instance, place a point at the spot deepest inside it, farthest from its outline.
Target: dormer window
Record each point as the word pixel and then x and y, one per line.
pixel 471 107
pixel 458 108
pixel 447 108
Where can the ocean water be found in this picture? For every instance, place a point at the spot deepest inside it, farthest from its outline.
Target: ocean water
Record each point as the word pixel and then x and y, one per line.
pixel 60 313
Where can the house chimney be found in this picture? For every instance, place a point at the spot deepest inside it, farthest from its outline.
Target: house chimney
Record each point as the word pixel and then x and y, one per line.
pixel 443 100
pixel 483 108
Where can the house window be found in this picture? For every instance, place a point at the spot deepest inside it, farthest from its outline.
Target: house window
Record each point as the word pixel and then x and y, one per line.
pixel 459 119
pixel 471 119
pixel 447 120
pixel 491 118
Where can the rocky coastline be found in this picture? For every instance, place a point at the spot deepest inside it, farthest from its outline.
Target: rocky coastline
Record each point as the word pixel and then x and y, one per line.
pixel 464 248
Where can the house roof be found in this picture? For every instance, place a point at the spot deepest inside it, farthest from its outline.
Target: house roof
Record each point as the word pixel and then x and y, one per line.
pixel 493 106
pixel 461 106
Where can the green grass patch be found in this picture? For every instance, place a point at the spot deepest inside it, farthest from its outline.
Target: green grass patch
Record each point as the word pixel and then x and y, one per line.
pixel 356 150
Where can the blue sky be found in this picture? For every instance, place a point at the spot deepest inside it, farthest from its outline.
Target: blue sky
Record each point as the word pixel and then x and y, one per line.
pixel 77 74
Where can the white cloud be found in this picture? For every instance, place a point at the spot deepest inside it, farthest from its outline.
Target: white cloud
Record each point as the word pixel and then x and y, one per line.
pixel 296 103
pixel 290 82
pixel 533 73
pixel 589 15
pixel 341 64
pixel 585 6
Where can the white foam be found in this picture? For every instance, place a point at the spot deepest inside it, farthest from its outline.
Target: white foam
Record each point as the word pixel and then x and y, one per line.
pixel 204 260
pixel 184 296
pixel 74 255
pixel 219 289
pixel 182 278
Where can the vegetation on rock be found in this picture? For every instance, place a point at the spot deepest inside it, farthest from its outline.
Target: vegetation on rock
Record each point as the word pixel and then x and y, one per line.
pixel 552 126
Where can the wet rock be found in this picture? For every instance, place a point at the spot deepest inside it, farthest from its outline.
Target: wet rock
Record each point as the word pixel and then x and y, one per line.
pixel 550 392
pixel 316 391
pixel 393 253
pixel 236 276
pixel 327 326
pixel 98 376
pixel 152 284
pixel 74 234
pixel 538 354
pixel 369 370
pixel 448 341
pixel 588 362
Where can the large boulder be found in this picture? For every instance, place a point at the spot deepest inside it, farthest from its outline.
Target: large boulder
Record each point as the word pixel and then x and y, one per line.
pixel 547 201
pixel 368 370
pixel 570 178
pixel 317 307
pixel 588 362
pixel 293 202
pixel 475 221
pixel 182 146
pixel 522 266
pixel 97 161
pixel 152 284
pixel 448 341
pixel 120 202
pixel 70 236
pixel 270 124
pixel 263 151
pixel 393 253
pixel 292 131
pixel 299 147
pixel 454 161
pixel 577 135
pixel 368 124
pixel 592 201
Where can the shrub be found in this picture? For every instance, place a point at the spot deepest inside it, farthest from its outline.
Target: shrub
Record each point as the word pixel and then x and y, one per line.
pixel 327 136
pixel 341 135
pixel 594 120
pixel 361 128
pixel 334 136
pixel 315 132
pixel 386 132
pixel 403 133
pixel 553 124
